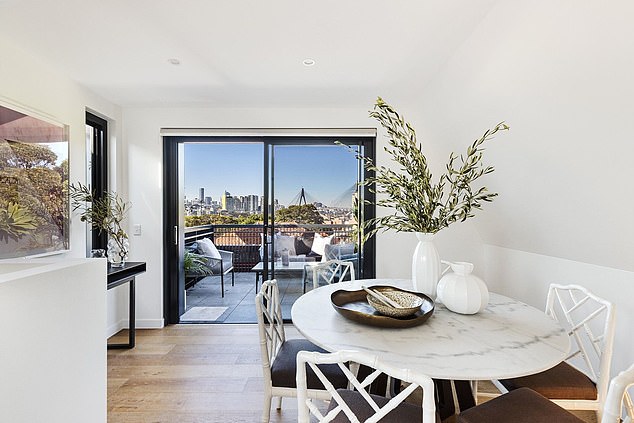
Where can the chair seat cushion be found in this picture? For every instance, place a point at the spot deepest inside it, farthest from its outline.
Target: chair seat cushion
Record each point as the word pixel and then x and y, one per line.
pixel 561 382
pixel 283 369
pixel 404 412
pixel 522 405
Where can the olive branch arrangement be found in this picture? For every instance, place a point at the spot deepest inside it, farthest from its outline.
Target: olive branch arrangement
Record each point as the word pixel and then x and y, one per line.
pixel 419 204
pixel 106 212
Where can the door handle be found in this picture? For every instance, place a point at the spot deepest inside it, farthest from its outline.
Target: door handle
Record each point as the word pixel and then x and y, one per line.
pixel 176 235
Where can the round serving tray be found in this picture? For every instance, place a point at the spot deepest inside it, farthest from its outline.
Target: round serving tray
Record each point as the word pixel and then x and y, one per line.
pixel 353 305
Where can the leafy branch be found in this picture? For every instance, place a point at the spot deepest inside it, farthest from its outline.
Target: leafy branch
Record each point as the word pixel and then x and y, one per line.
pixel 106 212
pixel 419 204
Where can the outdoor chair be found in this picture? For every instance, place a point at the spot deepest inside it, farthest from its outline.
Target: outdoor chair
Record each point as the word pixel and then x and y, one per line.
pixel 524 405
pixel 355 404
pixel 331 271
pixel 218 262
pixel 279 355
pixel 580 382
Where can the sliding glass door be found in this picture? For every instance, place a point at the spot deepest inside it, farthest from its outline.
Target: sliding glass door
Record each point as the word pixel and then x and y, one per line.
pixel 277 204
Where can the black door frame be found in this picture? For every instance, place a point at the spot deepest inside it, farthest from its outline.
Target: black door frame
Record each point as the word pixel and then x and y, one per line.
pixel 173 232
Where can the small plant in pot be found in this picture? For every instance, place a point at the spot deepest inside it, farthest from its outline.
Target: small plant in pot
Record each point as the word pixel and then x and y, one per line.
pixel 106 213
pixel 195 265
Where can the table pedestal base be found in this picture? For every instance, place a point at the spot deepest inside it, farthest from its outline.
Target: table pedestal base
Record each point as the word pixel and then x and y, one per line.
pixel 445 404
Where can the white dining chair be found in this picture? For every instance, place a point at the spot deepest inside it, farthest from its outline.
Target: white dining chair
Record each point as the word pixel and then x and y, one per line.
pixel 279 354
pixel 581 381
pixel 524 405
pixel 332 271
pixel 355 404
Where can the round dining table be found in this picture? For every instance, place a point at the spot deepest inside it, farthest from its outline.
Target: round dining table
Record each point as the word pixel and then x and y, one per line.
pixel 507 339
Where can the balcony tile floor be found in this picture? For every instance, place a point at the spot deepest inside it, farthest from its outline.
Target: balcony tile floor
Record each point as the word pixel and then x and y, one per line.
pixel 240 299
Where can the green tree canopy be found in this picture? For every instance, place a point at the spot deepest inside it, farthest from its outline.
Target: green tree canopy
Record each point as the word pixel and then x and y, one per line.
pixel 223 219
pixel 26 155
pixel 306 213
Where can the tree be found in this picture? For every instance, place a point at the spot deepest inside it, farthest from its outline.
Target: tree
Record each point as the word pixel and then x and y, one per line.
pixel 31 181
pixel 26 155
pixel 223 219
pixel 306 213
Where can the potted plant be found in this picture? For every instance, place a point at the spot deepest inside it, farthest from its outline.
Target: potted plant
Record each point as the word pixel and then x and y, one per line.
pixel 106 214
pixel 419 203
pixel 195 266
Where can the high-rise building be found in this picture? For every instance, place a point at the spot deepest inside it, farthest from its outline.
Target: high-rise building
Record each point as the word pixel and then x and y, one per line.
pixel 227 202
pixel 208 201
pixel 201 196
pixel 252 203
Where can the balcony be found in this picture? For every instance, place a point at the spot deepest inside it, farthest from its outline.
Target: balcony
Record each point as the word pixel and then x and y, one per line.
pixel 204 302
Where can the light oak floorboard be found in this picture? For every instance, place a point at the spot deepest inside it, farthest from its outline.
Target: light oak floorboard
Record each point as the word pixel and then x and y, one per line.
pixel 196 374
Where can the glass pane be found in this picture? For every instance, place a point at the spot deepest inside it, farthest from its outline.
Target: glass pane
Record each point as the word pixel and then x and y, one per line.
pixel 223 202
pixel 315 217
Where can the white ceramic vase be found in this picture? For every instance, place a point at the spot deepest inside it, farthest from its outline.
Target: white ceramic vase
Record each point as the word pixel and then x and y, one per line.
pixel 425 265
pixel 462 292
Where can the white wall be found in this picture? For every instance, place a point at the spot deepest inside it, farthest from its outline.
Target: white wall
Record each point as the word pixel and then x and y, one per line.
pixel 560 73
pixel 53 354
pixel 36 86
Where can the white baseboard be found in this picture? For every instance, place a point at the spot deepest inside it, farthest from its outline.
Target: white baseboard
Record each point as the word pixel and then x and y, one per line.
pixel 148 323
pixel 140 324
pixel 116 327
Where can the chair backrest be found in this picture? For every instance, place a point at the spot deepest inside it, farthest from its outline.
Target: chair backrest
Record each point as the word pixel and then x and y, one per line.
pixel 619 398
pixel 339 251
pixel 307 407
pixel 332 271
pixel 270 324
pixel 590 323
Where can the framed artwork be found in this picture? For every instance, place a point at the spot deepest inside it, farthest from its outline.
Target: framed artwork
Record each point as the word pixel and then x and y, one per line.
pixel 34 206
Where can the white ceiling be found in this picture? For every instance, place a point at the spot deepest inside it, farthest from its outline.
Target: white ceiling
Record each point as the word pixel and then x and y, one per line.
pixel 244 53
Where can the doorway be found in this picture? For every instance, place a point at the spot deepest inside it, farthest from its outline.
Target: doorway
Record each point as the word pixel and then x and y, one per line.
pixel 283 198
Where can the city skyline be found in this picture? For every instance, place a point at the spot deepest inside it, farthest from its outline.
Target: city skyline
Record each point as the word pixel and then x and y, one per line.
pixel 327 173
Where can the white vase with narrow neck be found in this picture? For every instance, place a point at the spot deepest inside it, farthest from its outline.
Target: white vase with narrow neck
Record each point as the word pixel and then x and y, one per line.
pixel 425 265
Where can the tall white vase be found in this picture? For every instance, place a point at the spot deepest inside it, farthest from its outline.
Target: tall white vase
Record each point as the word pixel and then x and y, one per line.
pixel 425 265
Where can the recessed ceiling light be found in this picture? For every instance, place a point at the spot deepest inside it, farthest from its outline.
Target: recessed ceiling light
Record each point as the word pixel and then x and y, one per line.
pixel 308 62
pixel 173 61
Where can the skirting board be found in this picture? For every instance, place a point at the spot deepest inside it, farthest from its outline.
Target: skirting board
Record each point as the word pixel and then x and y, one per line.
pixel 140 324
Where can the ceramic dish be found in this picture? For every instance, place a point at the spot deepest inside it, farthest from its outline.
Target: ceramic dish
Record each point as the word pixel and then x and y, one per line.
pixel 354 305
pixel 409 303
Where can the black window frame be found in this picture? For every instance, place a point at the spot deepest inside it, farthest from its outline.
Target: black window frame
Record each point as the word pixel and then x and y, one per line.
pixel 98 170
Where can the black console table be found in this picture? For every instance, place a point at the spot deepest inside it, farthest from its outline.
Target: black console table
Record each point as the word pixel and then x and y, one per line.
pixel 118 276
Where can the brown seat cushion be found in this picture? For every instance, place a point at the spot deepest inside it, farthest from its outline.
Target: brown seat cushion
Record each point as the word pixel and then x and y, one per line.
pixel 561 382
pixel 403 413
pixel 522 405
pixel 284 367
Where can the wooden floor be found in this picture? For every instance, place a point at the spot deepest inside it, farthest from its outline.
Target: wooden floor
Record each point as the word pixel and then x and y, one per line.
pixel 190 373
pixel 193 374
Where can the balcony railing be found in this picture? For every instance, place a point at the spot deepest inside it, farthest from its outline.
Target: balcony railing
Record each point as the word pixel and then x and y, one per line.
pixel 245 240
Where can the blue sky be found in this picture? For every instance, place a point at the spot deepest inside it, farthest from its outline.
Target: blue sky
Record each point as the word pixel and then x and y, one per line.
pixel 325 172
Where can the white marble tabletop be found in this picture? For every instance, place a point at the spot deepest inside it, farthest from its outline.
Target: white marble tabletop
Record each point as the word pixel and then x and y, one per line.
pixel 508 339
